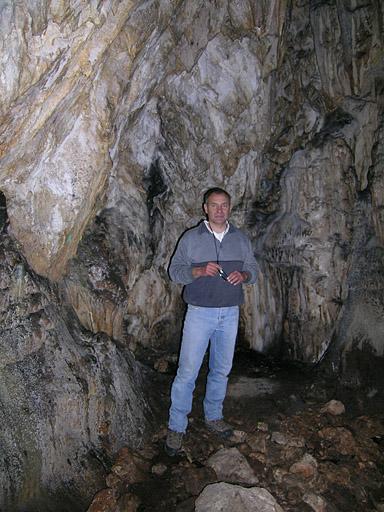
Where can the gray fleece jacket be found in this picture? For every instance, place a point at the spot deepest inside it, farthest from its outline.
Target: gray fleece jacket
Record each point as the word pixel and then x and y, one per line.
pixel 196 248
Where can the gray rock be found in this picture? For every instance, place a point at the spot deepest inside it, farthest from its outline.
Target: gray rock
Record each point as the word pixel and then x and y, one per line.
pixel 224 497
pixel 258 441
pixel 287 440
pixel 306 467
pixel 238 436
pixel 231 466
pixel 317 503
pixel 334 407
pixel 159 469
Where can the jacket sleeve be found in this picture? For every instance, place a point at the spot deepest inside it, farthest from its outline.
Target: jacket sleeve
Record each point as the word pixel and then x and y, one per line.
pixel 180 269
pixel 250 264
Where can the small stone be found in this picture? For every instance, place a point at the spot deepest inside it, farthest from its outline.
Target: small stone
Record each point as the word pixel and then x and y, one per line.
pixel 161 434
pixel 104 501
pixel 291 481
pixel 317 503
pixel 296 442
pixel 147 452
pixel 340 439
pixel 159 469
pixel 128 503
pixel 306 467
pixel 112 480
pixel 334 407
pixel 260 457
pixel 293 495
pixel 291 455
pixel 130 466
pixel 287 440
pixel 279 438
pixel 338 475
pixel 238 436
pixel 258 441
pixel 261 425
pixel 161 365
pixel 279 474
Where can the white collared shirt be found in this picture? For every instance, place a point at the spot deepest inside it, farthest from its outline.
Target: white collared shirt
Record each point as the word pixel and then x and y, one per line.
pixel 219 236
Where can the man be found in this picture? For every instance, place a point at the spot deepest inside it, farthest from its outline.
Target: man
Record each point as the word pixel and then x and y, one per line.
pixel 212 260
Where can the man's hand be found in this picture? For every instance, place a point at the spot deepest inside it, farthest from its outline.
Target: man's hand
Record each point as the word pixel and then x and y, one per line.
pixel 237 277
pixel 210 269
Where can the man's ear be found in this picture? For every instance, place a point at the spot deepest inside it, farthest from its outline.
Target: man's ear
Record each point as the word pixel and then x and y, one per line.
pixel 205 208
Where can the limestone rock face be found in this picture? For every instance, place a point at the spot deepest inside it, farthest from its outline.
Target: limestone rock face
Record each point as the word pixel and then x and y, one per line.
pixel 69 398
pixel 116 116
pixel 63 115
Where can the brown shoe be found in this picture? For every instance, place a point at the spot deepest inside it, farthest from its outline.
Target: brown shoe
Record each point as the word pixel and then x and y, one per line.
pixel 220 428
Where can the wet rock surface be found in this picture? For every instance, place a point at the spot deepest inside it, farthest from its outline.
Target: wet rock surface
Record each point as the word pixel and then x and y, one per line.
pixel 288 458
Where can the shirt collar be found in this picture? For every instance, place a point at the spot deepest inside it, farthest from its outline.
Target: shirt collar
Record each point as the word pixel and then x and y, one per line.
pixel 211 231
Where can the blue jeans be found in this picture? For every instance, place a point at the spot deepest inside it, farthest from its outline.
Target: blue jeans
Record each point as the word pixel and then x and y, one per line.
pixel 201 325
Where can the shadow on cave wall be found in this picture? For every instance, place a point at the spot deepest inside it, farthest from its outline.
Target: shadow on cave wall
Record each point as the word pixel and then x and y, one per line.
pixel 3 212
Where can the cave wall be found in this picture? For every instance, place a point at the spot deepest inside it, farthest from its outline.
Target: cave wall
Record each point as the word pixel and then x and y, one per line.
pixel 69 398
pixel 116 116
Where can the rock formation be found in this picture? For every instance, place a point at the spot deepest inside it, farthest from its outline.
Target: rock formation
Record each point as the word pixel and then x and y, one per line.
pixel 115 117
pixel 69 398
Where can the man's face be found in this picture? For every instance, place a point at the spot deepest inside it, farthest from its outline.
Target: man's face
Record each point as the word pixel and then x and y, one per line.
pixel 217 208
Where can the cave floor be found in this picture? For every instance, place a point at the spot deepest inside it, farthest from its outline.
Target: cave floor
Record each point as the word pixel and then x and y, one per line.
pixel 279 417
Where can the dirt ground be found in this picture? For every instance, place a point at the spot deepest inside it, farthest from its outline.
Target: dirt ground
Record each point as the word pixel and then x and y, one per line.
pixel 280 421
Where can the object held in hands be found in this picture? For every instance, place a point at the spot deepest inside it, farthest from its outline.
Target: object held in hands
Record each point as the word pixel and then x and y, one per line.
pixel 223 274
